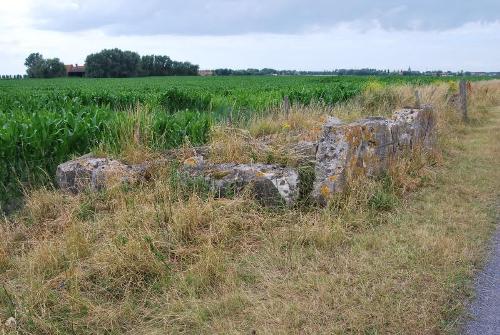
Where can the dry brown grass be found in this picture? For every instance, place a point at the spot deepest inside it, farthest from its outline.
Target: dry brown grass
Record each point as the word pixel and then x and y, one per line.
pixel 387 256
pixel 269 138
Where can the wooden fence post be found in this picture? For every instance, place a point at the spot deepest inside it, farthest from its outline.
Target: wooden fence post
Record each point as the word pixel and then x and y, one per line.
pixel 463 100
pixel 286 105
pixel 417 99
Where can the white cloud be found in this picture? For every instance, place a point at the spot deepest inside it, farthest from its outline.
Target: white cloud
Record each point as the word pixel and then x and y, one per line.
pixel 228 17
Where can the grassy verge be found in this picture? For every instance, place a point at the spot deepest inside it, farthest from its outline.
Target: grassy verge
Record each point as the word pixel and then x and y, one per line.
pixel 389 256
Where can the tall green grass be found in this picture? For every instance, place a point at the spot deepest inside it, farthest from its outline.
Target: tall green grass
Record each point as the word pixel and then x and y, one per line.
pixel 33 143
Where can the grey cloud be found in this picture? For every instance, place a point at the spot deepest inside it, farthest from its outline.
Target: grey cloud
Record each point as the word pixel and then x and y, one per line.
pixel 232 17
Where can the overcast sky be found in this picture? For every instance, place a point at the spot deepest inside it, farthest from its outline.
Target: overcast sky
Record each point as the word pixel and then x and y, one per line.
pixel 281 34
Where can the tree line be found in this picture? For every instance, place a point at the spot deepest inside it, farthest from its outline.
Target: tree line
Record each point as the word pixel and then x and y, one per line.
pixel 116 63
pixel 14 76
pixel 119 64
pixel 345 72
pixel 112 63
pixel 267 72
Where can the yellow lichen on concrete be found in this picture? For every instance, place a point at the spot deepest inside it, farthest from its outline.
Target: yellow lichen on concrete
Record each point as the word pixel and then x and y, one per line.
pixel 367 135
pixel 333 178
pixel 260 174
pixel 190 161
pixel 354 135
pixel 325 191
pixel 219 174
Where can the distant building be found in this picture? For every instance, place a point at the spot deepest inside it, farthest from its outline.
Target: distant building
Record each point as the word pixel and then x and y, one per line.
pixel 75 70
pixel 205 73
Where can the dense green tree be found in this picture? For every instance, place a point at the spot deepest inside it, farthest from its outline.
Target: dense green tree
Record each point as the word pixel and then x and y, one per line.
pixel 113 63
pixel 153 65
pixel 38 67
pixel 118 63
pixel 180 68
pixel 147 65
pixel 163 66
pixel 34 64
pixel 53 67
pixel 33 59
pixel 156 65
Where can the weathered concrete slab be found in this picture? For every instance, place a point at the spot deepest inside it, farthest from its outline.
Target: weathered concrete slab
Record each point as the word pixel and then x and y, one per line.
pixel 366 147
pixel 88 172
pixel 271 184
pixel 411 127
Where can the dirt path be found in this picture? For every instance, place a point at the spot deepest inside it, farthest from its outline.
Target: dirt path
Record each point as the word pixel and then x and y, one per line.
pixel 485 308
